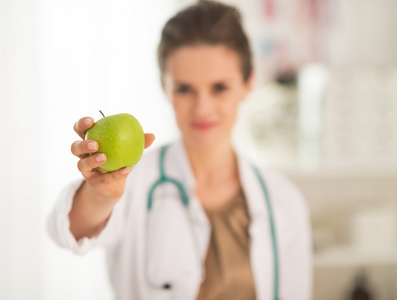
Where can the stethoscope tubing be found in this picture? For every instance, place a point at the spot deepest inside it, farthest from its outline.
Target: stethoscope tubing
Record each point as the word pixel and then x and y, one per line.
pixel 273 235
pixel 185 200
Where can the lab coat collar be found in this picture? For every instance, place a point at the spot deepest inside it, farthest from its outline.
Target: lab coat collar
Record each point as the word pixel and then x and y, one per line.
pixel 252 188
pixel 249 181
pixel 183 167
pixel 261 247
pixel 184 173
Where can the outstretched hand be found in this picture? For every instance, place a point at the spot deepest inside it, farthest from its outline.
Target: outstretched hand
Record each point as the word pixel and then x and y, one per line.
pixel 107 184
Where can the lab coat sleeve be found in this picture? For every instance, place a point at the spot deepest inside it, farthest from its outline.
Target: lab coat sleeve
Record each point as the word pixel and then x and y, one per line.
pixel 58 224
pixel 296 247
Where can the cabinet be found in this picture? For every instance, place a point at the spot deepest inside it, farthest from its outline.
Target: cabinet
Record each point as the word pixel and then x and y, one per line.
pixel 354 217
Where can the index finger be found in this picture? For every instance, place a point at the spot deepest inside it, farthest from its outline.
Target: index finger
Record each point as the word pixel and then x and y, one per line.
pixel 149 139
pixel 81 126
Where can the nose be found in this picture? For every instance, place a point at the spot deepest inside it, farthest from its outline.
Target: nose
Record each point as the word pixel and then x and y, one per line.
pixel 203 104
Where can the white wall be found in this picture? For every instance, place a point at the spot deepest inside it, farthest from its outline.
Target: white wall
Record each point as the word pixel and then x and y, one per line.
pixel 21 138
pixel 59 61
pixel 367 34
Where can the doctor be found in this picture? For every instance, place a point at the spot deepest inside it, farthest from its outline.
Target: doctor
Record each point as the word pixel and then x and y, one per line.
pixel 213 227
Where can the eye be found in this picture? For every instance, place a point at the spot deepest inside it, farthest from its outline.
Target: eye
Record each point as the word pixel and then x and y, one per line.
pixel 184 89
pixel 219 87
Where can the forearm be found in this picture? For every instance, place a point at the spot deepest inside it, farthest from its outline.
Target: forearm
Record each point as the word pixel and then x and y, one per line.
pixel 89 212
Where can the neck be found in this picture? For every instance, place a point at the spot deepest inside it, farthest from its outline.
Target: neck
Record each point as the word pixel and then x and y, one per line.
pixel 212 165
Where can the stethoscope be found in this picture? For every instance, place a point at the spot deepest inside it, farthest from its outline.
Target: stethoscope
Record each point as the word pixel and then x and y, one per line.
pixel 185 200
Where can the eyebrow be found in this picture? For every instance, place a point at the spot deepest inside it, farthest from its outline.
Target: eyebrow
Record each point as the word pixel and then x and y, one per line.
pixel 225 80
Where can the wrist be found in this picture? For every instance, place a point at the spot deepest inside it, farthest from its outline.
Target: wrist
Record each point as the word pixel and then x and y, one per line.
pixel 99 198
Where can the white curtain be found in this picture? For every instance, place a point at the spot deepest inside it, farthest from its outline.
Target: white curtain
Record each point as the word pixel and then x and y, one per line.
pixel 61 60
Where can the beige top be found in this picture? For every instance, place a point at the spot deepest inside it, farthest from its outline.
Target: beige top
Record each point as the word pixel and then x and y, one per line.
pixel 227 265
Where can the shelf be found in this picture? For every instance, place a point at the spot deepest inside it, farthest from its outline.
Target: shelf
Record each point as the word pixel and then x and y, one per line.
pixel 340 173
pixel 345 190
pixel 350 257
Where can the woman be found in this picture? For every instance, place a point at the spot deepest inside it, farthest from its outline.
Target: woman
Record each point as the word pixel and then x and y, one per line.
pixel 216 242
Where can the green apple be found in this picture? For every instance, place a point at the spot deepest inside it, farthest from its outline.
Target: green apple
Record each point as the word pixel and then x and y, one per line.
pixel 121 138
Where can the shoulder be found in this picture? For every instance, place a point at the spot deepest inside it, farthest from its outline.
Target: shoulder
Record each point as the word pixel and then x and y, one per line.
pixel 148 166
pixel 149 156
pixel 148 160
pixel 152 155
pixel 290 210
pixel 285 193
pixel 279 181
pixel 142 176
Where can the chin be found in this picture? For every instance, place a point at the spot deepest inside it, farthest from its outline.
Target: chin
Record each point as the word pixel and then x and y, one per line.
pixel 204 142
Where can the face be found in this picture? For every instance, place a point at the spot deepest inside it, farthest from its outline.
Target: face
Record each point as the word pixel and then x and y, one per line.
pixel 205 86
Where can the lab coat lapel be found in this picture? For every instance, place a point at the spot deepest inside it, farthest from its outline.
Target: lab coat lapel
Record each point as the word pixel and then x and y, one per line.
pixel 178 167
pixel 184 172
pixel 261 247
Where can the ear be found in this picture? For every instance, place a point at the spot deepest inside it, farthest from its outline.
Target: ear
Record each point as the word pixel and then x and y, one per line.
pixel 166 86
pixel 162 82
pixel 249 83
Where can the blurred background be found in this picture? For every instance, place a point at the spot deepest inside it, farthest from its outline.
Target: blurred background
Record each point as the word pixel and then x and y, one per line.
pixel 324 112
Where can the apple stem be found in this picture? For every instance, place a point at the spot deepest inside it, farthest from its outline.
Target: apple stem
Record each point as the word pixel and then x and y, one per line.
pixel 102 113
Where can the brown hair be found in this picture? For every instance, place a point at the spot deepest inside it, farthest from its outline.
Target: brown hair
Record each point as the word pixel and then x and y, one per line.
pixel 205 23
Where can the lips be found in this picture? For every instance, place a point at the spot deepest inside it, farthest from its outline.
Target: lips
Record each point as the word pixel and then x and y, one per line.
pixel 203 125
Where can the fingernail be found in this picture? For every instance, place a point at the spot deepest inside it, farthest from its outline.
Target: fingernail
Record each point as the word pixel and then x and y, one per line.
pixel 125 171
pixel 100 157
pixel 91 145
pixel 87 121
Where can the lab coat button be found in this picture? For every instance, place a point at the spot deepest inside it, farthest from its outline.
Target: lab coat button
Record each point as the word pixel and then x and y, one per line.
pixel 167 286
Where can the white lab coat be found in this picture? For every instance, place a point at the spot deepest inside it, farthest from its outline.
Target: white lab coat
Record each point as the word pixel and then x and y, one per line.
pixel 169 244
